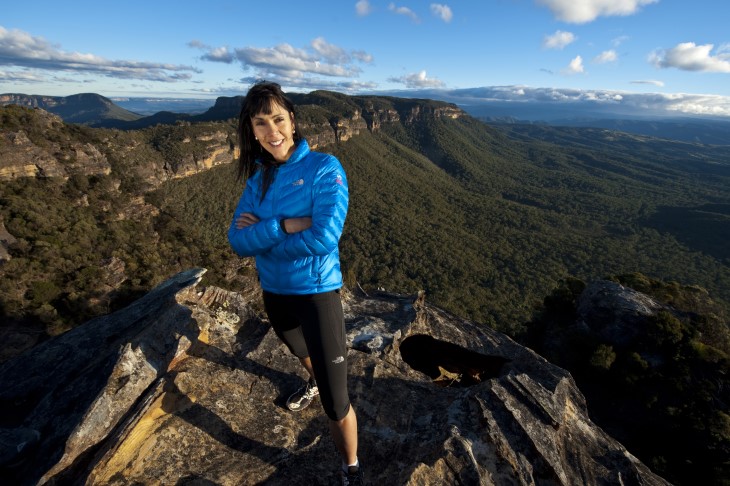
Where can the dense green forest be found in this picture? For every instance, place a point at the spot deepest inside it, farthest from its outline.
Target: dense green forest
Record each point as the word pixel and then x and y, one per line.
pixel 488 221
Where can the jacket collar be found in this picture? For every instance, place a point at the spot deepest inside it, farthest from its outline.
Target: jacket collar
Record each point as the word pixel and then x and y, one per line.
pixel 301 150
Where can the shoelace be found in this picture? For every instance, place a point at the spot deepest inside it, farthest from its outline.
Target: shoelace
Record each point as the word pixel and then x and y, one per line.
pixel 311 392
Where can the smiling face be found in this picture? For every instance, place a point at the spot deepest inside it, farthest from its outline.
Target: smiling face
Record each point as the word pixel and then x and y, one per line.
pixel 275 132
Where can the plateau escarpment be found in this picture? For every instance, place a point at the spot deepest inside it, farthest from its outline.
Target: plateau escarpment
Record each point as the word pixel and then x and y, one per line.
pixel 186 146
pixel 36 143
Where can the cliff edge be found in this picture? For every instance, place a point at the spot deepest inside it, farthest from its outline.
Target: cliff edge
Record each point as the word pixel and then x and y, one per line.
pixel 186 386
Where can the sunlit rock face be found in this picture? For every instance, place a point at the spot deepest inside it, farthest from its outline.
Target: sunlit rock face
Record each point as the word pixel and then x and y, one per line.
pixel 187 386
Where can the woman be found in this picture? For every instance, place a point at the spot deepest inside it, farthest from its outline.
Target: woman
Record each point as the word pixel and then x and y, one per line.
pixel 290 217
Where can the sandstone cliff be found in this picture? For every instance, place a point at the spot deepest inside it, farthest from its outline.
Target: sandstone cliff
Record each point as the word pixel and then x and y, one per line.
pixel 21 157
pixel 186 386
pixel 39 144
pixel 165 152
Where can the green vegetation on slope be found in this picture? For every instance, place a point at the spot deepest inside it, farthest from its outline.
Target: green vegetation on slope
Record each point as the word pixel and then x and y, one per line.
pixel 662 394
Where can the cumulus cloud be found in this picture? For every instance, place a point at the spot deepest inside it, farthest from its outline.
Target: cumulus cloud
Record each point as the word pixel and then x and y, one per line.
pixel 404 11
pixel 442 11
pixel 418 80
pixel 582 11
pixel 214 54
pixel 290 66
pixel 330 52
pixel 362 56
pixel 558 40
pixel 21 49
pixel 606 57
pixel 575 66
pixel 363 8
pixel 688 56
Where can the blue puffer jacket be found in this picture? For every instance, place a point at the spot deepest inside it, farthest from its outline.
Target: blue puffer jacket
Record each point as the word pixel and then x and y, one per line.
pixel 309 184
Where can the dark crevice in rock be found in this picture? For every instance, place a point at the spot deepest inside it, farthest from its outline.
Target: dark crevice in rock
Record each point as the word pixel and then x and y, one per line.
pixel 448 364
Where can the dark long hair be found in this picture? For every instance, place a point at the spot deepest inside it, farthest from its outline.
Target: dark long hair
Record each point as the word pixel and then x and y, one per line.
pixel 262 97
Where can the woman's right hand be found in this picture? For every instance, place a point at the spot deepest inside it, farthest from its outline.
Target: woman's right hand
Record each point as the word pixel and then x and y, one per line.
pixel 246 219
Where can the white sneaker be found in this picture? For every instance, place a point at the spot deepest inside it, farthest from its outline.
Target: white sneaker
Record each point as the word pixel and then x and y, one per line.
pixel 300 399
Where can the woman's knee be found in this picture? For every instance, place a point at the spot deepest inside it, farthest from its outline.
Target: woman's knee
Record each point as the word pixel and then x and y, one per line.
pixel 337 414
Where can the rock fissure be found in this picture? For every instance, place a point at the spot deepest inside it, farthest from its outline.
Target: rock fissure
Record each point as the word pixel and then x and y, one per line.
pixel 448 364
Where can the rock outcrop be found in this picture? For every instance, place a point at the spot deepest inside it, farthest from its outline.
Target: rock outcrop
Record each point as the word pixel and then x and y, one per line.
pixel 186 386
pixel 20 157
pixel 62 152
pixel 218 150
pixel 614 313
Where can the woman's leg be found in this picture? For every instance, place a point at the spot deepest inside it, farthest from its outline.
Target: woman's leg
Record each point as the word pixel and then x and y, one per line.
pixel 307 363
pixel 344 434
pixel 323 327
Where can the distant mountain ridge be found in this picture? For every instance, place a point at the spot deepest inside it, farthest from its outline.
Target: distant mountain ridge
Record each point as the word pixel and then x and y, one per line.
pixel 97 111
pixel 85 108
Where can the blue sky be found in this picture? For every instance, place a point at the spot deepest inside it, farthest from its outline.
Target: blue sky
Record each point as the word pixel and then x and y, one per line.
pixel 662 53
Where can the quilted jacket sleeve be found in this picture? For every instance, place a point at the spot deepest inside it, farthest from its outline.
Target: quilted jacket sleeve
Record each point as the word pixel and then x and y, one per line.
pixel 331 199
pixel 257 238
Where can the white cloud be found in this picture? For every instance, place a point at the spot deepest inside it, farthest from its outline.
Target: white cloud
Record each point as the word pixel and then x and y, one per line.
pixel 652 82
pixel 330 52
pixel 362 56
pixel 699 105
pixel 575 66
pixel 214 54
pixel 418 80
pixel 442 11
pixel 606 57
pixel 558 40
pixel 20 76
pixel 629 102
pixel 18 48
pixel 287 60
pixel 688 56
pixel 582 11
pixel 295 67
pixel 363 8
pixel 404 11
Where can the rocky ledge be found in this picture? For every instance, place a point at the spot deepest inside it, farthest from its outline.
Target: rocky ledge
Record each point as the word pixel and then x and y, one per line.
pixel 187 385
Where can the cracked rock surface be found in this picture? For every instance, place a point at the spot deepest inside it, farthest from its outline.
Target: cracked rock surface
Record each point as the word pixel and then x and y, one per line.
pixel 187 386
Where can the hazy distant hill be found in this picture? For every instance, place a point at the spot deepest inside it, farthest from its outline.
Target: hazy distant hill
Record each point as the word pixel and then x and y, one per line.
pixel 150 106
pixel 699 130
pixel 97 111
pixel 86 108
pixel 225 108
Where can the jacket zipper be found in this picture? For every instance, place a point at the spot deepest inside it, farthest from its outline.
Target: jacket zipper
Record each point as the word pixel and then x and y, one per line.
pixel 274 211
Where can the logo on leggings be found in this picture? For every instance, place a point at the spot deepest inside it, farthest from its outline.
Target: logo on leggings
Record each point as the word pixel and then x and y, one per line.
pixel 338 360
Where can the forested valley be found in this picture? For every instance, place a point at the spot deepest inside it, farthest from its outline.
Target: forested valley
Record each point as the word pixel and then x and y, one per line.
pixel 502 226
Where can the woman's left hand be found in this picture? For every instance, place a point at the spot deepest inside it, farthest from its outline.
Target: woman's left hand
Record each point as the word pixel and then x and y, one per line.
pixel 246 219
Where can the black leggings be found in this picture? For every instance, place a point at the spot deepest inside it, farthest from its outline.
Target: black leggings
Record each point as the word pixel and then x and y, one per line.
pixel 313 326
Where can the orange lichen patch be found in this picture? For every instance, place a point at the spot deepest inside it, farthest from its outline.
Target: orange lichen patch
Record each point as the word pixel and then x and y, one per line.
pixel 127 459
pixel 204 336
